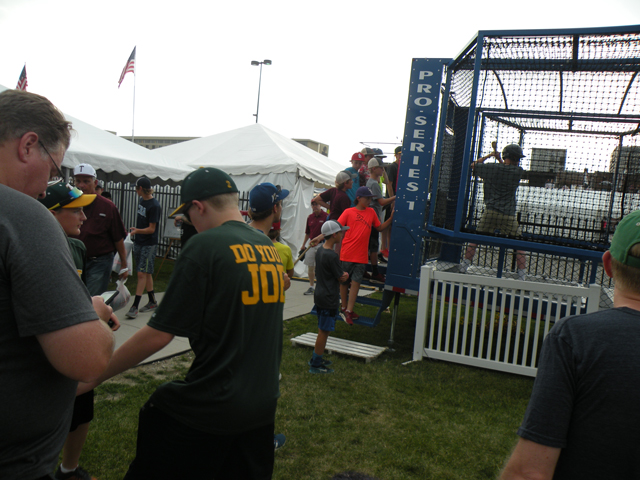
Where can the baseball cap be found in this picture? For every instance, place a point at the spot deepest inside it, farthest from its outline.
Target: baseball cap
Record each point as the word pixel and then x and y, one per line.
pixel 264 196
pixel 60 195
pixel 84 169
pixel 342 177
pixel 378 153
pixel 375 162
pixel 204 183
pixel 143 182
pixel 275 225
pixel 100 184
pixel 368 151
pixel 513 151
pixel 398 149
pixel 331 226
pixel 358 157
pixel 626 236
pixel 363 192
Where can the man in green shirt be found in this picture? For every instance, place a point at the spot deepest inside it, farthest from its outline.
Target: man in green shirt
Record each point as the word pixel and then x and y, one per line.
pixel 226 296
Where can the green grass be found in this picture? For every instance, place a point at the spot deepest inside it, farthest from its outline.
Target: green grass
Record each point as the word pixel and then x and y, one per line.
pixel 159 284
pixel 424 420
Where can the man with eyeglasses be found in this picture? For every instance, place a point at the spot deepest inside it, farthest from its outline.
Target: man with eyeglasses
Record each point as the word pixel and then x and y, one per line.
pixel 51 335
pixel 103 233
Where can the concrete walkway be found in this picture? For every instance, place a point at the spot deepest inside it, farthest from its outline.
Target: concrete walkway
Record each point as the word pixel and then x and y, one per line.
pixel 296 304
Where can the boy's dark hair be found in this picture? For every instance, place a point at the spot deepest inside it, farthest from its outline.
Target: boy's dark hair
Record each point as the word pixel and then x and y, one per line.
pixel 257 216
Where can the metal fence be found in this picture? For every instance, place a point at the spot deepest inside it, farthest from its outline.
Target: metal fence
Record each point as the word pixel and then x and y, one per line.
pixel 125 198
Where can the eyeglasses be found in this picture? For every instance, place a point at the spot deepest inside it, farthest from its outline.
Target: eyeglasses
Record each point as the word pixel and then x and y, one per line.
pixel 186 212
pixel 60 177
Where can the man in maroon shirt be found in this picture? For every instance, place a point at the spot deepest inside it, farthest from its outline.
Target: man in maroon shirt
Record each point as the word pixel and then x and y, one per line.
pixel 336 200
pixel 103 233
pixel 313 229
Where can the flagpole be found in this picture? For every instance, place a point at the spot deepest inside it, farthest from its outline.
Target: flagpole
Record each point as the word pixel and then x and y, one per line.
pixel 133 120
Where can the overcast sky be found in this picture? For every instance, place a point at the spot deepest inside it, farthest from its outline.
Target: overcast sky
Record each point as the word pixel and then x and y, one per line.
pixel 340 72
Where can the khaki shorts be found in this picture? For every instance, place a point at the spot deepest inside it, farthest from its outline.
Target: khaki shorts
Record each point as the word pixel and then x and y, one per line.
pixel 496 222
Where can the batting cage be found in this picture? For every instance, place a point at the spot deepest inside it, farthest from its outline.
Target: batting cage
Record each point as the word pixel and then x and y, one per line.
pixel 537 153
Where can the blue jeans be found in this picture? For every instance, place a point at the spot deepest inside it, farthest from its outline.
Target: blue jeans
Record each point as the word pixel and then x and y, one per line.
pixel 98 273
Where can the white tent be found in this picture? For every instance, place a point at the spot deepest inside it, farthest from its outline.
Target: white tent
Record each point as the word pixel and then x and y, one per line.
pixel 119 159
pixel 255 154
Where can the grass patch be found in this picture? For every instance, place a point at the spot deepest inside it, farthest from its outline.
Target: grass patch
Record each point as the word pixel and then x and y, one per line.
pixel 424 420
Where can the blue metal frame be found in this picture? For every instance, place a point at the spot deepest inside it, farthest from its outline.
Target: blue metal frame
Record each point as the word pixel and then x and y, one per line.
pixel 415 204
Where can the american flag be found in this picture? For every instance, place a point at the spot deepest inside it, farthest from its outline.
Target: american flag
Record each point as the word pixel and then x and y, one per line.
pixel 22 81
pixel 129 67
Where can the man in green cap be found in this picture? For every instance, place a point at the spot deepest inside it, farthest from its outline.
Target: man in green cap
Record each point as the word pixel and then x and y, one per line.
pixel 583 419
pixel 226 296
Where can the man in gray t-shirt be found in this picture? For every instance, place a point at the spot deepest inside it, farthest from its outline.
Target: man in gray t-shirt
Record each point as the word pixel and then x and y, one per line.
pixel 583 420
pixel 501 181
pixel 50 336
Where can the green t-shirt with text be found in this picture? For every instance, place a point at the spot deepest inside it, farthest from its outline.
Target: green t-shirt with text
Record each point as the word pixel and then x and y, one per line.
pixel 226 295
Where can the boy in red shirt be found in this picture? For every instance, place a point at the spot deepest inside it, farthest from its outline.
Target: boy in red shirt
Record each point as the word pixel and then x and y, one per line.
pixel 355 247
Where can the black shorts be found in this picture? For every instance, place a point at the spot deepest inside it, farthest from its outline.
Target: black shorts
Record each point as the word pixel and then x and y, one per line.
pixel 374 240
pixel 167 449
pixel 387 211
pixel 82 410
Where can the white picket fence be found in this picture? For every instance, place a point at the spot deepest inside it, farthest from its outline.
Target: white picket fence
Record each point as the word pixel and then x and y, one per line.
pixel 492 323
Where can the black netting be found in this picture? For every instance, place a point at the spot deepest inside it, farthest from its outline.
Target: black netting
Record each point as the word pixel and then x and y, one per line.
pixel 572 103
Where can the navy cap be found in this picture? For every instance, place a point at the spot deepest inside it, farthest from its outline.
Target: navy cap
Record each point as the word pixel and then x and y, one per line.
pixel 143 182
pixel 363 192
pixel 264 196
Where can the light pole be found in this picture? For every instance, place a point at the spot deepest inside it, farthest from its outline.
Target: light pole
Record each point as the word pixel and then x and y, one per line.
pixel 255 62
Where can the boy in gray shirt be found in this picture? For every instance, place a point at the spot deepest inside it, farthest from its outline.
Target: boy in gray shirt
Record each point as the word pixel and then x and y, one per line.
pixel 376 170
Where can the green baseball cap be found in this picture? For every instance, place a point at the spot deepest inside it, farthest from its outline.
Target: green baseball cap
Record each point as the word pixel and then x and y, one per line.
pixel 65 196
pixel 204 183
pixel 626 236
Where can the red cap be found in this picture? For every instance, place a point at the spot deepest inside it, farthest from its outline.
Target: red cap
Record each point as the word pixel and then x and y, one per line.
pixel 358 157
pixel 275 226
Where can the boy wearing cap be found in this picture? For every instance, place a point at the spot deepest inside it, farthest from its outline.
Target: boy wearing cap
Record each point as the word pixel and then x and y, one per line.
pixel 226 296
pixel 583 420
pixel 354 253
pixel 327 294
pixel 313 228
pixel 145 245
pixel 357 160
pixel 103 233
pixel 376 169
pixel 66 203
pixel 501 181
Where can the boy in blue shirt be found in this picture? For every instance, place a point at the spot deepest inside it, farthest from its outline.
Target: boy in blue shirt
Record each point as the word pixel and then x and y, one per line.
pixel 327 294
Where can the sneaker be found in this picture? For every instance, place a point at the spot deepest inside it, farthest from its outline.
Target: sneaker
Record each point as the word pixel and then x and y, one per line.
pixel 78 474
pixel 366 276
pixel 278 441
pixel 385 253
pixel 325 363
pixel 381 258
pixel 132 313
pixel 349 317
pixel 310 291
pixel 321 369
pixel 379 278
pixel 149 306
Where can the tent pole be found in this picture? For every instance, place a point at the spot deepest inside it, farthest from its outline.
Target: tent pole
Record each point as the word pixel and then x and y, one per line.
pixel 133 118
